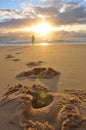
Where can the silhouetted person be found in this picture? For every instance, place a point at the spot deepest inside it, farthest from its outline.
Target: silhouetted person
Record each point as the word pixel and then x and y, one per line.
pixel 33 39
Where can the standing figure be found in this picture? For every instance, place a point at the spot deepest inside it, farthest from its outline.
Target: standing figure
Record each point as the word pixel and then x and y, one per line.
pixel 33 39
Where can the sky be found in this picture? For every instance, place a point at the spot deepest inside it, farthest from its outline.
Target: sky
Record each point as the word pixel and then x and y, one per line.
pixel 67 17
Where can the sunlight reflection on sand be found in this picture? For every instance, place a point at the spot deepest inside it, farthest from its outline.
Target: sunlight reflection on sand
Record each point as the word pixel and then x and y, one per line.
pixel 43 44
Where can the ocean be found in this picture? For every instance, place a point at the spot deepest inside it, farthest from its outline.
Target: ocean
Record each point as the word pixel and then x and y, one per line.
pixel 14 41
pixel 7 41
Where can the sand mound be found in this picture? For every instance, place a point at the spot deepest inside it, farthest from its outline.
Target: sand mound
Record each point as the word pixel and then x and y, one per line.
pixel 81 94
pixel 43 72
pixel 41 98
pixel 26 90
pixel 30 125
pixel 36 108
pixel 38 88
pixel 69 117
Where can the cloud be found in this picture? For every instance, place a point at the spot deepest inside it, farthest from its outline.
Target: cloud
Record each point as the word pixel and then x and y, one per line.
pixel 11 14
pixel 72 16
pixel 54 3
pixel 69 6
pixel 58 11
pixel 46 11
pixel 55 11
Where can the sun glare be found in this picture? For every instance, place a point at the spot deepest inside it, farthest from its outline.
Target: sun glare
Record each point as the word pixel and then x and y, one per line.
pixel 42 44
pixel 42 28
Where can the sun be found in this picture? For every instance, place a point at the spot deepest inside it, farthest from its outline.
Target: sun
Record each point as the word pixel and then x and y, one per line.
pixel 42 28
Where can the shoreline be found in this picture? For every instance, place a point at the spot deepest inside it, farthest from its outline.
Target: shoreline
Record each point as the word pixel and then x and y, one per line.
pixel 44 43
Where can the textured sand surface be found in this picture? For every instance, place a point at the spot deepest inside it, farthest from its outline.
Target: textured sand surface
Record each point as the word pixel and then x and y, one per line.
pixel 36 107
pixel 64 107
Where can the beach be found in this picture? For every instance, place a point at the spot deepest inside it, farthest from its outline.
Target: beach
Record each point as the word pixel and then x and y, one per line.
pixel 68 60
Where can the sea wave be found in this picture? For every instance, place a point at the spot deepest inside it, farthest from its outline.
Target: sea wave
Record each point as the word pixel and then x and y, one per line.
pixel 6 41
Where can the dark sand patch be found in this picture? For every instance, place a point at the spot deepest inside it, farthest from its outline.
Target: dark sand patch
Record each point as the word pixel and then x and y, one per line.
pixel 15 60
pixel 18 53
pixel 32 64
pixel 41 72
pixel 9 56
